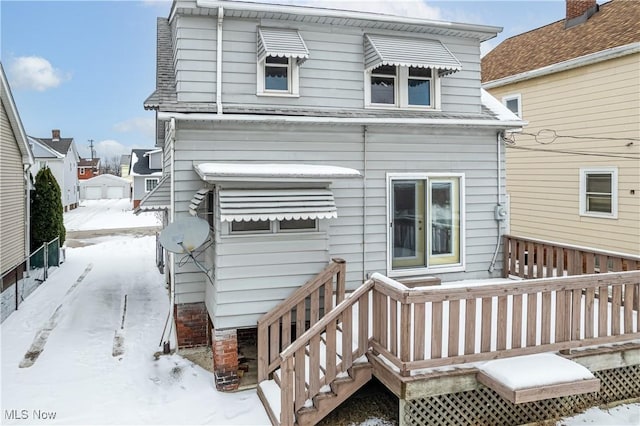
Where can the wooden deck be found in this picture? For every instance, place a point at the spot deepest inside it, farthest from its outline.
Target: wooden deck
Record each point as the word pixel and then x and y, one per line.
pixel 408 333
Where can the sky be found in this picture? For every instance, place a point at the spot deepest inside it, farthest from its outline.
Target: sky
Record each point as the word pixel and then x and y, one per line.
pixel 86 67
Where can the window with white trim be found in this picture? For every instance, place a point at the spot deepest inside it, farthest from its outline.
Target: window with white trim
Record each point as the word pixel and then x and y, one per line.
pixel 513 103
pixel 426 222
pixel 81 170
pixel 403 87
pixel 150 183
pixel 278 76
pixel 599 192
pixel 274 226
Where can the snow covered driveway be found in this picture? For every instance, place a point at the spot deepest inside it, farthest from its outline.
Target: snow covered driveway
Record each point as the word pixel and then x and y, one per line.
pixel 107 214
pixel 75 379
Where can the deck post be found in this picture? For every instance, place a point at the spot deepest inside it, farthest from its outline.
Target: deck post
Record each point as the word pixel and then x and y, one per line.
pixel 340 279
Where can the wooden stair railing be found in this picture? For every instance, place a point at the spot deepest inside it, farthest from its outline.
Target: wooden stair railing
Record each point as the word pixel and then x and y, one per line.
pixel 300 311
pixel 332 340
pixel 531 258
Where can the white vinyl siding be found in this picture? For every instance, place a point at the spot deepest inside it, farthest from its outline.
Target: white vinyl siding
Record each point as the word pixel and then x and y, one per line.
pixel 388 150
pixel 332 77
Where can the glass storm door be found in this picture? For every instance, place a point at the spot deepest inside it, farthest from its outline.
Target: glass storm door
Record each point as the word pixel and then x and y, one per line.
pixel 408 223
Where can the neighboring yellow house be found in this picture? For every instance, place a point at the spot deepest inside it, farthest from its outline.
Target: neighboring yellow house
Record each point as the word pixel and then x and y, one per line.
pixel 573 174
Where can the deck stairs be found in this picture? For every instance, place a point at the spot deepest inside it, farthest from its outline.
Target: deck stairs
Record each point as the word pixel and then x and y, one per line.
pixel 303 371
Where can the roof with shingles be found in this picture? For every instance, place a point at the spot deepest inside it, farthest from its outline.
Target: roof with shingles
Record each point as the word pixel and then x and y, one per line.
pixel 88 162
pixel 62 145
pixel 165 92
pixel 140 162
pixel 615 24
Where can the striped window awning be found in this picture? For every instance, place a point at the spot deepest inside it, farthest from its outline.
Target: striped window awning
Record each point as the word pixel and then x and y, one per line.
pixel 282 42
pixel 158 199
pixel 408 52
pixel 276 204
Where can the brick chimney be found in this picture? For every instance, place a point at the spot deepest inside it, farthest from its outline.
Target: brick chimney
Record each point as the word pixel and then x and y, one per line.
pixel 55 134
pixel 578 11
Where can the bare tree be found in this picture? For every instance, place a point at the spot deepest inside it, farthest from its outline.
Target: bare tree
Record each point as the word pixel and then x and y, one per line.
pixel 110 165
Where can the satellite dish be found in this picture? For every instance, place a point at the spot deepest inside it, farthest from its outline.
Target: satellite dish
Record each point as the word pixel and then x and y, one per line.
pixel 184 235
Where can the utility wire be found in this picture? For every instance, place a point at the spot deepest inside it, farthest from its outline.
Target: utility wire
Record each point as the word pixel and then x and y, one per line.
pixel 561 151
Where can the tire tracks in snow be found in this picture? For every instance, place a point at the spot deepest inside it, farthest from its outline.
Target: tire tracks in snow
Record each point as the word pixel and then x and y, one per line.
pixel 43 334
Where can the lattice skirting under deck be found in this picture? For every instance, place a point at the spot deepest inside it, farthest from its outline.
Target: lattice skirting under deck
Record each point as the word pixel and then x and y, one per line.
pixel 485 407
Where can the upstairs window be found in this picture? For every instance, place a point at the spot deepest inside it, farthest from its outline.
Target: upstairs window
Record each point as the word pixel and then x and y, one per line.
pixel 599 192
pixel 383 85
pixel 403 87
pixel 513 104
pixel 276 74
pixel 419 86
pixel 280 52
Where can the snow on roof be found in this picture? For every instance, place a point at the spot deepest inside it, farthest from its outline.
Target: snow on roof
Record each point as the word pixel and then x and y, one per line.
pixel 244 171
pixel 496 107
pixel 536 370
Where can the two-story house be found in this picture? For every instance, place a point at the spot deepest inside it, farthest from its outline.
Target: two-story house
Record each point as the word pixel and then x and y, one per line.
pixel 15 161
pixel 304 134
pixel 145 170
pixel 61 157
pixel 88 168
pixel 573 175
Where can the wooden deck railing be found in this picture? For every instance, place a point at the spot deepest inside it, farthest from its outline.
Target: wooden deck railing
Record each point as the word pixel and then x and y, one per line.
pixel 445 325
pixel 325 351
pixel 300 311
pixel 530 258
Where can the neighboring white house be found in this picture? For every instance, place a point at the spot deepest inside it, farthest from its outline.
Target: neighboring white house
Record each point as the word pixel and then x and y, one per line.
pixel 302 134
pixel 61 156
pixel 146 170
pixel 104 187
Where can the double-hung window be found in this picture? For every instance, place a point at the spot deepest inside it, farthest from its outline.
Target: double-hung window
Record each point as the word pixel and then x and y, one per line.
pixel 399 86
pixel 405 72
pixel 150 183
pixel 280 52
pixel 425 223
pixel 599 192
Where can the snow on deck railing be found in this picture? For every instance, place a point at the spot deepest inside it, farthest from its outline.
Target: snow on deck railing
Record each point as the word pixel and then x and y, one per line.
pixel 532 258
pixel 444 325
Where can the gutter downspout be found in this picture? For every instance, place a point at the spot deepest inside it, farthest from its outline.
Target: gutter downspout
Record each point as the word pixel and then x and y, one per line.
pixel 219 61
pixel 172 261
pixel 499 206
pixel 27 236
pixel 364 204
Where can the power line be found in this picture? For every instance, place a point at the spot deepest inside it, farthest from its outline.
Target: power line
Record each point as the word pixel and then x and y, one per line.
pixel 553 135
pixel 561 151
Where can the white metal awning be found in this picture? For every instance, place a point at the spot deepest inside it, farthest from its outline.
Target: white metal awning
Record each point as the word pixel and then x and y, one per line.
pixel 282 42
pixel 276 204
pixel 198 197
pixel 158 199
pixel 398 51
pixel 273 172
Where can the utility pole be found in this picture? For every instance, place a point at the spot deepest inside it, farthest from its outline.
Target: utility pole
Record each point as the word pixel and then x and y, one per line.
pixel 92 150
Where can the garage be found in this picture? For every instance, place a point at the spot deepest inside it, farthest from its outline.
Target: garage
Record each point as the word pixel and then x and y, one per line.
pixel 92 193
pixel 114 192
pixel 104 187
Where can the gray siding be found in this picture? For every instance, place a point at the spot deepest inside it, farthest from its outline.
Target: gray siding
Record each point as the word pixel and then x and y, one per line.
pixel 332 77
pixel 388 149
pixel 12 198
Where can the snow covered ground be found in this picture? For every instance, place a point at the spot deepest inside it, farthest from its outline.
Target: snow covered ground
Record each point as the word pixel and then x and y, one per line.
pixel 107 214
pixel 65 333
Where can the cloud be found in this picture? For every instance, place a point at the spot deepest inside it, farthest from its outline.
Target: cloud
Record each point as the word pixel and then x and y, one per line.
pixel 105 149
pixel 145 126
pixel 36 73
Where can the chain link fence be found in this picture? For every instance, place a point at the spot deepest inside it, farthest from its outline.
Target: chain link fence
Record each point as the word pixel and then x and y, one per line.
pixel 19 283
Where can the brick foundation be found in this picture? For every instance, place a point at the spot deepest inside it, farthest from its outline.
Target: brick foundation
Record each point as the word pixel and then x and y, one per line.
pixel 225 359
pixel 192 324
